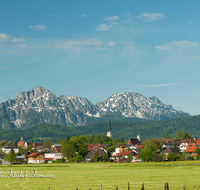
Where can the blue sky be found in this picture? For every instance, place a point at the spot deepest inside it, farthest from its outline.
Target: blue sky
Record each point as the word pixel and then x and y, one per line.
pixel 94 49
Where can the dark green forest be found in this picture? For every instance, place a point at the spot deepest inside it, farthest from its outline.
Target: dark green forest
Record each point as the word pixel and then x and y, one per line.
pixel 146 129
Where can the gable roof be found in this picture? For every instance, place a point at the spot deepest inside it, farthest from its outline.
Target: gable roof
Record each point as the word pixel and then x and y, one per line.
pixel 48 159
pixel 139 146
pixel 169 141
pixel 34 154
pixel 187 141
pixel 90 154
pixel 133 141
pixel 21 143
pixel 94 146
pixel 57 148
pixel 124 153
pixel 168 150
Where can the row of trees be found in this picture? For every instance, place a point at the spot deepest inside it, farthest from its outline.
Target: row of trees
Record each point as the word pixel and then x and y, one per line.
pixel 74 149
pixel 152 148
pixel 180 135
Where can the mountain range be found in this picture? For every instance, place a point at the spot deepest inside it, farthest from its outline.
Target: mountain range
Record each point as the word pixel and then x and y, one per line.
pixel 39 105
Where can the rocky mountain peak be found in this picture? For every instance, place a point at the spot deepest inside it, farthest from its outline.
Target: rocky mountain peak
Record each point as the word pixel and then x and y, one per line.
pixel 42 105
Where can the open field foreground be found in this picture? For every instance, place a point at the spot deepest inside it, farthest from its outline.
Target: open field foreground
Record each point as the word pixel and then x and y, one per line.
pixel 68 176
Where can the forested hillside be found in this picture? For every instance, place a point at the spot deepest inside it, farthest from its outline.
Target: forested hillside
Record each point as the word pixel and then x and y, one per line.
pixel 147 129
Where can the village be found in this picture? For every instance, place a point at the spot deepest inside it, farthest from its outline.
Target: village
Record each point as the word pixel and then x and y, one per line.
pixel 162 149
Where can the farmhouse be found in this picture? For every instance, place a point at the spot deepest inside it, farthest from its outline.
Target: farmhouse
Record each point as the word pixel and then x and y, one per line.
pixel 168 150
pixel 125 154
pixel 183 144
pixel 90 156
pixel 191 147
pixel 35 158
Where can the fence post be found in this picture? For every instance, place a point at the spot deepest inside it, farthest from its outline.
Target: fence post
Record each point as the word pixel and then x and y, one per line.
pixel 116 188
pixel 77 188
pixel 199 187
pixel 128 186
pixel 166 186
pixel 184 186
pixel 142 188
pixel 100 186
pixel 89 188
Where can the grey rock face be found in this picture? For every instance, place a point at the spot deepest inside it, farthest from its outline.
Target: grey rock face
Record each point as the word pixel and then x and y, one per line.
pixel 138 106
pixel 72 111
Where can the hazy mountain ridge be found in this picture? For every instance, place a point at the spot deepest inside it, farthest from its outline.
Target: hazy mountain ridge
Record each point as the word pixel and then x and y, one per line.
pixel 45 107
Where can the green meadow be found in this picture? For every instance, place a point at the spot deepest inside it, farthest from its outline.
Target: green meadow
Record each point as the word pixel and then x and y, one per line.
pixel 69 176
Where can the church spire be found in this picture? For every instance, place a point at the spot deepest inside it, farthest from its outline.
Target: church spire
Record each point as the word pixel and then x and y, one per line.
pixel 138 136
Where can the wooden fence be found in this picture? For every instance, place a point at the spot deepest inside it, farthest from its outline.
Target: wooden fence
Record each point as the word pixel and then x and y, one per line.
pixel 166 187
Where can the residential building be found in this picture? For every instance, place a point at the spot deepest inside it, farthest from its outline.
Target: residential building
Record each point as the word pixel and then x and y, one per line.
pixel 7 149
pixel 168 142
pixel 2 161
pixel 22 144
pixel 35 158
pixel 183 144
pixel 90 156
pixel 168 150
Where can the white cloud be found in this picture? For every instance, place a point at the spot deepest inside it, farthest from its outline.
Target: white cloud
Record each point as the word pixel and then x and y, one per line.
pixel 84 44
pixel 190 23
pixel 112 19
pixel 182 44
pixel 111 43
pixel 148 17
pixel 131 47
pixel 37 27
pixel 23 45
pixel 162 47
pixel 5 89
pixel 160 85
pixel 103 27
pixel 4 37
pixel 20 40
pixel 185 44
pixel 84 15
pixel 196 57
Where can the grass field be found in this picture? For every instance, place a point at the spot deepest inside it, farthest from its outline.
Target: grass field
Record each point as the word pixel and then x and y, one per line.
pixel 68 176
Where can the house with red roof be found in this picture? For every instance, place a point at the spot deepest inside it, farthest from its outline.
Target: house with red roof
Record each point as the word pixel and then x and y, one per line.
pixel 125 154
pixel 22 143
pixel 122 147
pixel 95 146
pixel 35 158
pixel 184 143
pixel 191 147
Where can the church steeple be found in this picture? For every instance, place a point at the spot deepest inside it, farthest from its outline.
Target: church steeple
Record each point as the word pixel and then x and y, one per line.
pixel 138 136
pixel 109 134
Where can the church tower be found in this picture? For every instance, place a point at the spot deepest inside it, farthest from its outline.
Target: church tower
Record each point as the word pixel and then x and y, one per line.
pixel 138 136
pixel 109 134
